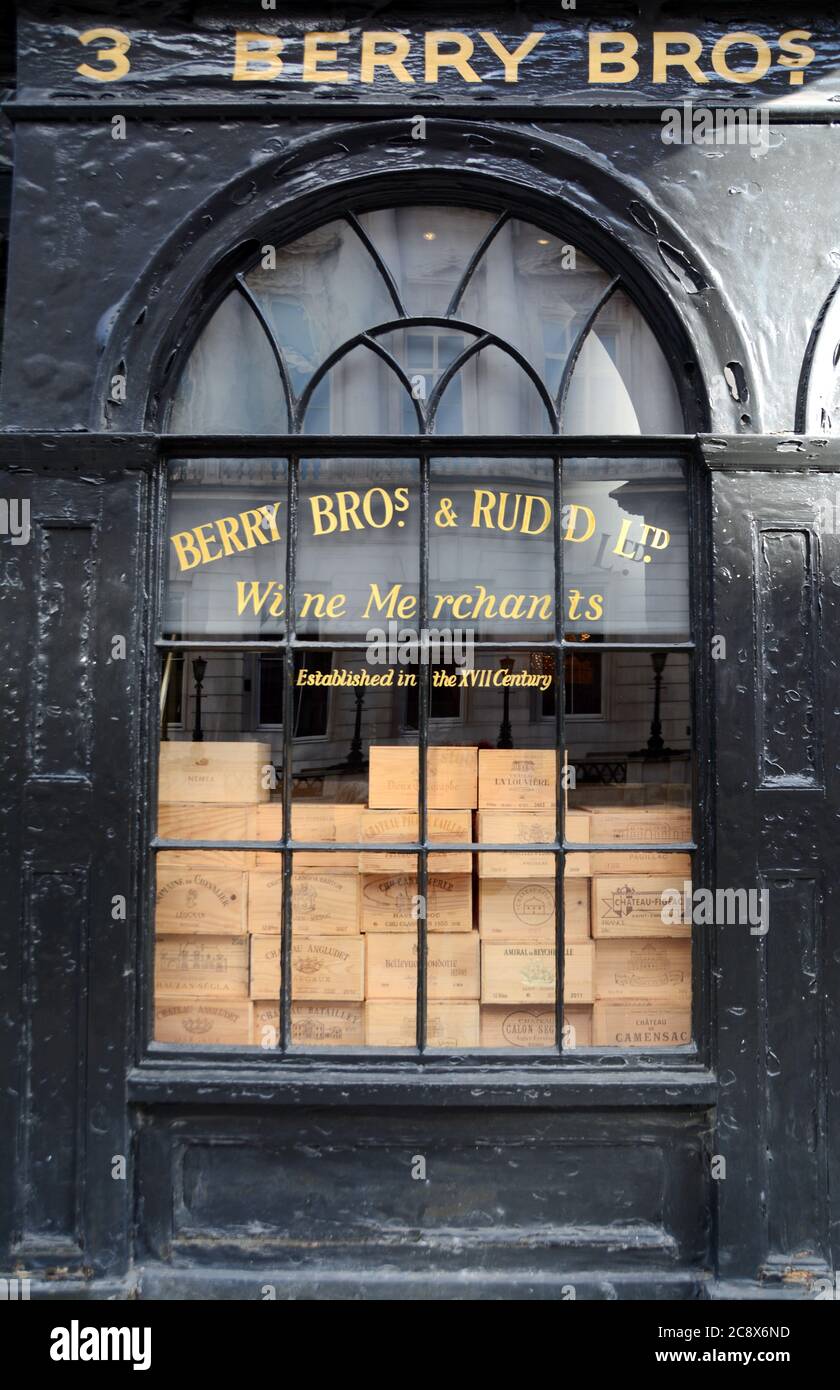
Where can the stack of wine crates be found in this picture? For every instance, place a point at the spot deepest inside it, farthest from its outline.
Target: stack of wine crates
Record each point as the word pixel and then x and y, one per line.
pixel 491 958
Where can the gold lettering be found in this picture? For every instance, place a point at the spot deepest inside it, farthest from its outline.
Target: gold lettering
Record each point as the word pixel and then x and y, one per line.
pixel 115 55
pixel 184 548
pixel 393 60
pixel 624 60
pixel 804 54
pixel 204 542
pixel 394 605
pixel 511 606
pixel 763 57
pixel 228 528
pixel 526 515
pixel 252 49
pixel 663 59
pixel 314 54
pixel 482 508
pixel 435 59
pixel 576 509
pixel 322 511
pixel 511 61
pixel 622 537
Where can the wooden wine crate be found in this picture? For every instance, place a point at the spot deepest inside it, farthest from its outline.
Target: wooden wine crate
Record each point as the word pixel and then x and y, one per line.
pixel 326 902
pixel 529 827
pixel 388 901
pixel 518 779
pixel 199 899
pixel 641 1023
pixel 265 1026
pixel 524 973
pixel 202 965
pixel 200 1021
pixel 332 822
pixel 534 1025
pixel 518 909
pixel 452 967
pixel 324 1024
pixel 403 827
pixel 632 905
pixel 316 1024
pixel 620 795
pixel 645 968
pixel 268 825
pixel 209 858
pixel 642 825
pixel 577 1026
pixel 265 899
pixel 328 967
pixel 264 975
pixel 451 778
pixel 185 820
pixel 449 1023
pixel 510 1025
pixel 215 772
pixel 633 862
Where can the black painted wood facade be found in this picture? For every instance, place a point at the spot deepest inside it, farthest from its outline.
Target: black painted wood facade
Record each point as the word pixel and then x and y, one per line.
pixel 242 1174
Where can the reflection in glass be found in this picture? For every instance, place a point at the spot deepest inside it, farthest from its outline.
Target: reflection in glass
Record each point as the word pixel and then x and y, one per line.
pixel 230 383
pixel 427 250
pixel 358 550
pixel 473 271
pixel 226 549
pixel 324 288
pixel 622 383
pixel 625 549
pixel 491 547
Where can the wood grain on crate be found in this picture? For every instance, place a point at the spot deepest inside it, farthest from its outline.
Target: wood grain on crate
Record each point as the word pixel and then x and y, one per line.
pixel 202 965
pixel 199 899
pixel 451 778
pixel 214 772
pixel 389 902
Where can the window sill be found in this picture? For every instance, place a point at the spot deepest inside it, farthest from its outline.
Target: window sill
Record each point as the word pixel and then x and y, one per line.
pixel 329 1083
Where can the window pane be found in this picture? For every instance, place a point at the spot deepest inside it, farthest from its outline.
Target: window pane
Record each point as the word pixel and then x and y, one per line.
pixel 230 383
pixel 226 549
pixel 625 549
pixel 358 556
pixel 622 383
pixel 361 394
pixel 311 705
pixel 324 289
pixel 427 250
pixel 639 749
pixel 535 290
pixel 496 396
pixel 491 548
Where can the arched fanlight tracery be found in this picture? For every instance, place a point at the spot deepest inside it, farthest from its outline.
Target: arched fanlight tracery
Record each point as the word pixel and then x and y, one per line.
pixel 480 323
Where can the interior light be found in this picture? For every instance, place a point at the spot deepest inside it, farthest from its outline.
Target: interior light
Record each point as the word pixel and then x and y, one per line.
pixel 542 240
pixel 429 236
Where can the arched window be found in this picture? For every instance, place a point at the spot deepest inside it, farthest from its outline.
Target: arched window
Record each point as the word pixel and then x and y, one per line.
pixel 421 656
pixel 416 319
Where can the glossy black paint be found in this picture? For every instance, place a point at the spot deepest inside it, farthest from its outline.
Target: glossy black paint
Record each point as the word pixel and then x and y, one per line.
pixel 594 1175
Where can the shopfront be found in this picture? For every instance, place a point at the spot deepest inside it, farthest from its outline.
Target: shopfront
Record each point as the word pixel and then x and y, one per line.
pixel 420 571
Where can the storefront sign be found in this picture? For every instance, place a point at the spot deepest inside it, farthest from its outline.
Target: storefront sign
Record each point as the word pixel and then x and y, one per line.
pixel 566 58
